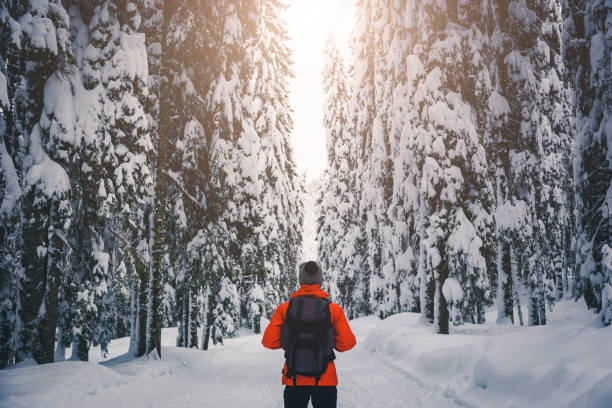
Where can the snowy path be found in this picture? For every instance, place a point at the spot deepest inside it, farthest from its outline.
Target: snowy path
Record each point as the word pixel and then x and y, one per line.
pixel 239 374
pixel 403 363
pixel 369 380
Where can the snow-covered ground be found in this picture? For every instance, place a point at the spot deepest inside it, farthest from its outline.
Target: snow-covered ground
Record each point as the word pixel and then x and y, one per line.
pixel 397 363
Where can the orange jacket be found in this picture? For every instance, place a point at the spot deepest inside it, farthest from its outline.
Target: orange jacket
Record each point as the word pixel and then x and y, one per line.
pixel 345 339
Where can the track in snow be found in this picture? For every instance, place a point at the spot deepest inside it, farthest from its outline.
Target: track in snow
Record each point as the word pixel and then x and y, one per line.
pixel 244 374
pixel 240 374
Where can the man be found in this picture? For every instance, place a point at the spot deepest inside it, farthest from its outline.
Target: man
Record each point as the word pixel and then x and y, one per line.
pixel 300 327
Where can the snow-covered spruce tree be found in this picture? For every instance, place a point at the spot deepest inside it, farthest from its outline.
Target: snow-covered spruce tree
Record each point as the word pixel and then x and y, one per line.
pixel 388 73
pixel 373 206
pixel 85 301
pixel 194 268
pixel 336 217
pixel 587 53
pixel 362 110
pixel 114 34
pixel 158 109
pixel 255 307
pixel 205 270
pixel 190 271
pixel 397 89
pixel 10 265
pixel 45 50
pixel 188 80
pixel 555 134
pixel 66 121
pixel 476 89
pixel 10 191
pixel 223 129
pixel 47 214
pixel 196 274
pixel 530 110
pixel 251 256
pixel 115 60
pixel 133 175
pixel 404 206
pixel 272 186
pixel 227 311
pixel 452 182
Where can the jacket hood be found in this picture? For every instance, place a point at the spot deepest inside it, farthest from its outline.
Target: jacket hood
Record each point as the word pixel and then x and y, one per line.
pixel 311 290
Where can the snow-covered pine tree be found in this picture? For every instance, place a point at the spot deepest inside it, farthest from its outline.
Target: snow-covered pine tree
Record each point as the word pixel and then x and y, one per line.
pixel 10 265
pixel 362 110
pixel 10 191
pixel 251 255
pixel 47 211
pixel 587 53
pixel 530 118
pixel 336 218
pixel 404 206
pixel 184 113
pixel 133 175
pixel 86 300
pixel 275 185
pixel 225 106
pixel 197 273
pixel 374 201
pixel 255 308
pixel 158 108
pixel 45 50
pixel 194 267
pixel 555 134
pixel 403 200
pixel 115 60
pixel 389 44
pixel 452 177
pixel 227 311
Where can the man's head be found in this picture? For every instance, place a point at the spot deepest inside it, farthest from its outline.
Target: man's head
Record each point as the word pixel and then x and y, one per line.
pixel 310 274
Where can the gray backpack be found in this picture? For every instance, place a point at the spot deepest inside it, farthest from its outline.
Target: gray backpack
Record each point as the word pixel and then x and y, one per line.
pixel 307 337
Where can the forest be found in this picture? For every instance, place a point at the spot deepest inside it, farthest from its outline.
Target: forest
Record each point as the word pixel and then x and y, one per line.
pixel 147 177
pixel 469 163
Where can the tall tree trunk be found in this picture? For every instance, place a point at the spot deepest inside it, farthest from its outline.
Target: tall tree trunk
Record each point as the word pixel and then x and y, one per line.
pixel 82 348
pixel 209 319
pixel 505 307
pixel 47 326
pixel 426 287
pixel 533 307
pixel 160 239
pixel 141 344
pixel 440 305
pixel 133 316
pixel 480 308
pixel 515 261
pixel 541 296
pixel 194 311
pixel 559 266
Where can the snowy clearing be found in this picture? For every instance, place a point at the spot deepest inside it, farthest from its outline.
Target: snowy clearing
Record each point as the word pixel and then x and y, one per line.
pixel 396 362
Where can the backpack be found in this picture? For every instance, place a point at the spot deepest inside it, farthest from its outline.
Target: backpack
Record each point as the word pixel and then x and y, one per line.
pixel 307 337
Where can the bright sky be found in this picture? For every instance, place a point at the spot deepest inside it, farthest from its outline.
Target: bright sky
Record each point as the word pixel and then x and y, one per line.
pixel 309 22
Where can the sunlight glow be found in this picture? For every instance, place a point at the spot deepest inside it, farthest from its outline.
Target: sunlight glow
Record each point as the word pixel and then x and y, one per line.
pixel 309 22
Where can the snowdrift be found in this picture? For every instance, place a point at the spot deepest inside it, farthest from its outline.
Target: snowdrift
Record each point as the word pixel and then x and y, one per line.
pixel 567 363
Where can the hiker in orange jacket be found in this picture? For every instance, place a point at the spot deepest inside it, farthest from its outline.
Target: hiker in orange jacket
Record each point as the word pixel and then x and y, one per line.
pixel 299 389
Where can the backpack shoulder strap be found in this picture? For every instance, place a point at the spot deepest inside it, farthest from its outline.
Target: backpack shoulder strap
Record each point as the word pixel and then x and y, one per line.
pixel 288 312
